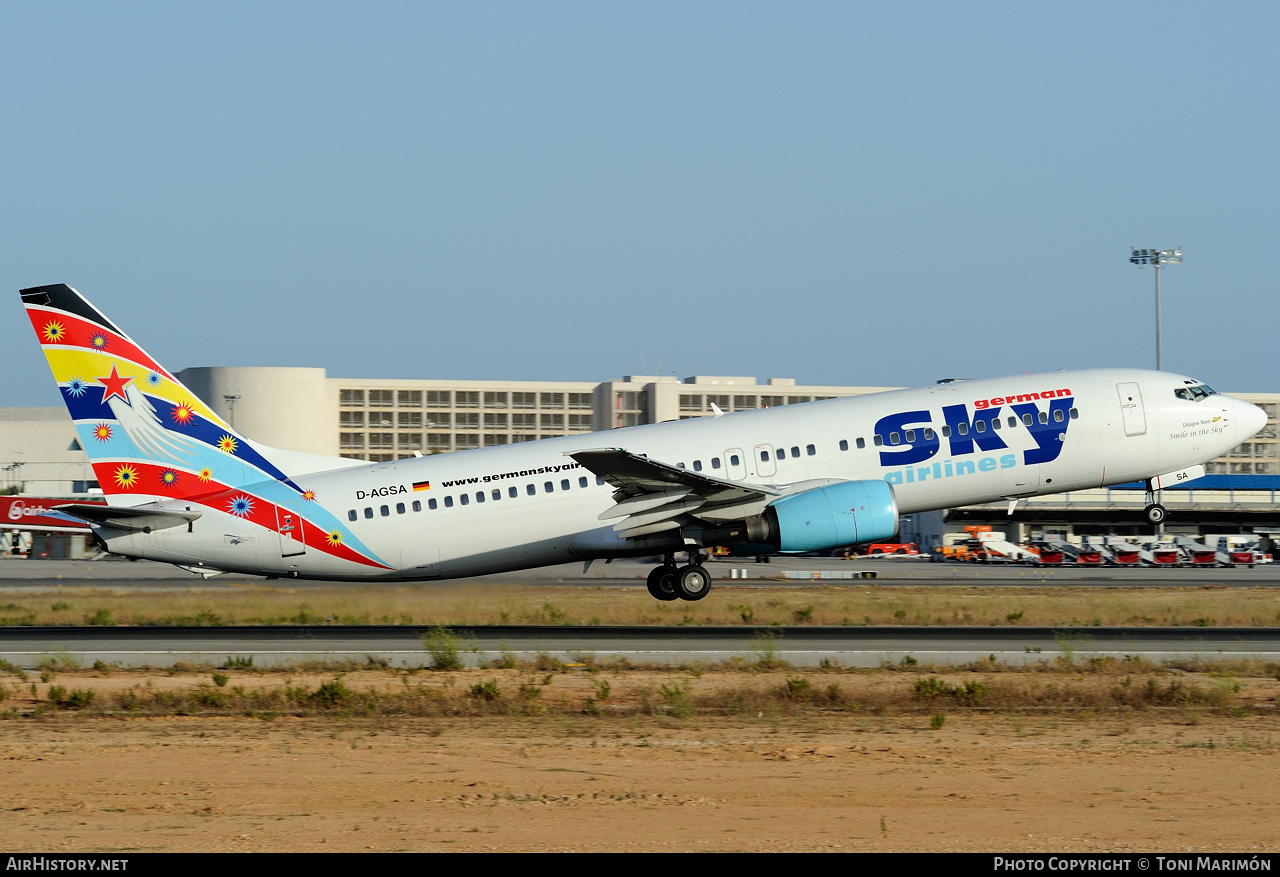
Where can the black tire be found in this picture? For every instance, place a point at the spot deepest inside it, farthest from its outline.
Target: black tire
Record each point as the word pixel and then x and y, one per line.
pixel 661 583
pixel 692 583
pixel 1155 514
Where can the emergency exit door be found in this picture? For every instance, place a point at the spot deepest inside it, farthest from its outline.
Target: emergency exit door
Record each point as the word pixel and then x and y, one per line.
pixel 1131 411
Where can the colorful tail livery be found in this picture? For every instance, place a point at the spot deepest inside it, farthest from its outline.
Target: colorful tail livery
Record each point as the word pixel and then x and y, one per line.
pixel 154 444
pixel 145 433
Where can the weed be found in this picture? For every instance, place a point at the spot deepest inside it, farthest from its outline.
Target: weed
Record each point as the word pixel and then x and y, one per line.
pixel 908 661
pixel 240 662
pixel 221 679
pixel 486 690
pixel 1014 617
pixel 332 693
pixel 937 720
pixel 678 698
pixel 102 667
pixel 99 618
pixel 602 688
pixel 803 615
pixel 60 606
pixel 442 645
pixel 768 655
pixel 798 688
pixel 507 660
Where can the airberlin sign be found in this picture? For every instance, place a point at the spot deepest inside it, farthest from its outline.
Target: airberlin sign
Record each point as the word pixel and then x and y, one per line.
pixel 36 513
pixel 908 439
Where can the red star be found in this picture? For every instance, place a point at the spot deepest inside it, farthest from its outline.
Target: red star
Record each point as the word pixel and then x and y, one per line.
pixel 114 384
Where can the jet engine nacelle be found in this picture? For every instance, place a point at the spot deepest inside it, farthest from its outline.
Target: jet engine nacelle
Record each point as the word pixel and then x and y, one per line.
pixel 828 517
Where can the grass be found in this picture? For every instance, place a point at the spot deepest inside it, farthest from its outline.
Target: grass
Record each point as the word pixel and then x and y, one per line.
pixel 439 605
pixel 1123 691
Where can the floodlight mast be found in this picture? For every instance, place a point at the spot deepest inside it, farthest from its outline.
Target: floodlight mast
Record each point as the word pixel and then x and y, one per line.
pixel 1156 258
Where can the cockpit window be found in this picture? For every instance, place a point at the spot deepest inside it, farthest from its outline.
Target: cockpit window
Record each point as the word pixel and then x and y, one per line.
pixel 1195 394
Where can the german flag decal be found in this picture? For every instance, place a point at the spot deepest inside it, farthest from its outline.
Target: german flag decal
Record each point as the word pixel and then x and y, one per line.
pixel 421 485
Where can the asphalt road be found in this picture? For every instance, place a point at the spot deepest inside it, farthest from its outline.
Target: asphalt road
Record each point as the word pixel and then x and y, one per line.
pixel 114 573
pixel 801 646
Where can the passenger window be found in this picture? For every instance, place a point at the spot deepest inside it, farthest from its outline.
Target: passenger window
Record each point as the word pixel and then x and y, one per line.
pixel 928 434
pixel 530 489
pixel 679 465
pixel 479 496
pixel 417 505
pixel 400 508
pixel 582 482
pixel 733 460
pixel 995 423
pixel 715 462
pixel 599 481
pixel 368 512
pixel 431 504
pixel 1026 418
pixel 980 426
pixel 878 440
pixel 464 499
pixel 448 502
pixel 513 492
pixel 1058 416
pixel 697 465
pixel 946 432
pixel 894 438
pixel 810 450
pixel 844 444
pixel 862 443
pixel 780 453
pixel 963 428
pixel 497 494
pixel 795 451
pixel 1013 421
pixel 1044 417
pixel 351 515
pixel 564 484
pixel 911 435
pixel 548 487
pixel 1075 414
pixel 764 456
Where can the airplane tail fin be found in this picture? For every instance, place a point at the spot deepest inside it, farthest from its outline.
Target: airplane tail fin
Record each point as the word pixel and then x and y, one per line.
pixel 147 436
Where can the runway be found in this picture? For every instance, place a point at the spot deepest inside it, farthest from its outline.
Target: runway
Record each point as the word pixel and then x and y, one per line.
pixel 118 574
pixel 27 647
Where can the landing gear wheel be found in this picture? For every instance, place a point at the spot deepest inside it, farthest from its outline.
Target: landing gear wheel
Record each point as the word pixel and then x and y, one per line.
pixel 661 583
pixel 692 582
pixel 1155 513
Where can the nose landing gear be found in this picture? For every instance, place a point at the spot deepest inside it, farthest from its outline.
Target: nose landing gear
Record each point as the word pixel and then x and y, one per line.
pixel 1154 512
pixel 670 582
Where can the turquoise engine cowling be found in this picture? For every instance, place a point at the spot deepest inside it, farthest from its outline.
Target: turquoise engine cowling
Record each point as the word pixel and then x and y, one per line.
pixel 848 513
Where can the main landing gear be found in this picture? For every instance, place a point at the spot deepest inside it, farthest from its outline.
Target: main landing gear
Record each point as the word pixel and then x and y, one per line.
pixel 670 582
pixel 1154 512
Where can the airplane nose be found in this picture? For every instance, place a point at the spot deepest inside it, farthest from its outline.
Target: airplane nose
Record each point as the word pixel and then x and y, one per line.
pixel 1250 419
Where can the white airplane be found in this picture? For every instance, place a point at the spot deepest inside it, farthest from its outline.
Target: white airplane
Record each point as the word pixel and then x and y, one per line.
pixel 184 487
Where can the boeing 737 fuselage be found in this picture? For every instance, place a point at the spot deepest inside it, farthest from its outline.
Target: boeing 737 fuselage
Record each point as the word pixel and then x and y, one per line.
pixel 184 487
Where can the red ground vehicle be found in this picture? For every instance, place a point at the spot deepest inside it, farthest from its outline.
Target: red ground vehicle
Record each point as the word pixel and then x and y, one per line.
pixel 892 548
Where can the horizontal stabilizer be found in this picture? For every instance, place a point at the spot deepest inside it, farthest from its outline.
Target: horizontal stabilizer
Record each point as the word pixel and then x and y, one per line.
pixel 144 518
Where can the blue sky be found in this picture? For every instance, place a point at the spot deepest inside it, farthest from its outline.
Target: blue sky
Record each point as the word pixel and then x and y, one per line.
pixel 840 193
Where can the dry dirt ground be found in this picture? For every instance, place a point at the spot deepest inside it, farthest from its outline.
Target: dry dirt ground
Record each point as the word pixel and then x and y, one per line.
pixel 985 781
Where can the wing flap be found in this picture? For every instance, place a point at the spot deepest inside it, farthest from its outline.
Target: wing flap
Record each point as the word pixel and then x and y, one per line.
pixel 652 496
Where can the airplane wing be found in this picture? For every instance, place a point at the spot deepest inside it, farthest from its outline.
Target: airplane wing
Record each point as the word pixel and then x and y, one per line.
pixel 651 496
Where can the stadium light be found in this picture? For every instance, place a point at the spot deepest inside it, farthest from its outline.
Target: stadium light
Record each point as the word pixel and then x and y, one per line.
pixel 1156 258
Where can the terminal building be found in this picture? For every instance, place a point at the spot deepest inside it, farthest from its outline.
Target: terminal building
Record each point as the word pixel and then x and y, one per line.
pixel 303 409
